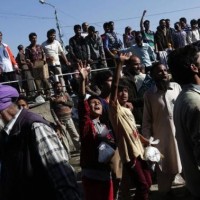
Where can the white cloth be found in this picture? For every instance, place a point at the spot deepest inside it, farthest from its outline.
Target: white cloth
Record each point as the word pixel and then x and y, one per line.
pixel 5 61
pixel 163 57
pixel 139 80
pixel 193 36
pixel 53 50
pixel 84 34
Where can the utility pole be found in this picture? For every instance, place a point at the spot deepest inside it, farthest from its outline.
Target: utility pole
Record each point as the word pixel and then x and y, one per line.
pixel 57 22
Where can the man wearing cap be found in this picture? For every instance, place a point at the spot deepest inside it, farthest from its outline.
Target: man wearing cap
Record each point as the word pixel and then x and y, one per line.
pixel 34 164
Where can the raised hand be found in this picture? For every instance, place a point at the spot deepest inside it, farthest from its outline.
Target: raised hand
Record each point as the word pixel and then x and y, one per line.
pixel 144 12
pixel 124 56
pixel 83 69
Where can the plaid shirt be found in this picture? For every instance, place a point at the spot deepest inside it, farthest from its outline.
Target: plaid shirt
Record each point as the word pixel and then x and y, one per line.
pixel 54 158
pixel 52 152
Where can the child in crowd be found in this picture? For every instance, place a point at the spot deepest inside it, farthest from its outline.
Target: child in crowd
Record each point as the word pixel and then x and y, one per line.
pixel 22 102
pixel 96 176
pixel 128 140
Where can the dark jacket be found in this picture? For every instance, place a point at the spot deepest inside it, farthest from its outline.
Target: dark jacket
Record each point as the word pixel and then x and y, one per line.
pixel 78 48
pixel 162 41
pixel 136 97
pixel 23 176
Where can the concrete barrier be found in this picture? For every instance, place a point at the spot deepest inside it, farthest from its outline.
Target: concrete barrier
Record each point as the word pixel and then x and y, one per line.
pixel 43 110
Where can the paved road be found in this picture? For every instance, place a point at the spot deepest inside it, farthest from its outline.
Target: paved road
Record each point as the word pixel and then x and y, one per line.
pixel 178 192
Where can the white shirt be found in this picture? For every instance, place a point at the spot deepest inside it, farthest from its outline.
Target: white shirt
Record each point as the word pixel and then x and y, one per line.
pixel 53 50
pixel 5 62
pixel 193 36
pixel 84 34
pixel 139 80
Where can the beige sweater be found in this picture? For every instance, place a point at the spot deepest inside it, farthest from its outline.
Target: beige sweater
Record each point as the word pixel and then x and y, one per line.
pixel 123 123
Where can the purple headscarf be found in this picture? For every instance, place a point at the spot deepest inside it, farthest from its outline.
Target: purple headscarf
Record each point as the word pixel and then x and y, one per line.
pixel 7 93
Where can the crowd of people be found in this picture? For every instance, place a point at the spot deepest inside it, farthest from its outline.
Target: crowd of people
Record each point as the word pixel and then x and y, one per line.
pixel 31 70
pixel 106 95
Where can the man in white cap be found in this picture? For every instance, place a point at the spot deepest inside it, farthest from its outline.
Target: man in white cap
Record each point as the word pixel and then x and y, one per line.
pixel 34 164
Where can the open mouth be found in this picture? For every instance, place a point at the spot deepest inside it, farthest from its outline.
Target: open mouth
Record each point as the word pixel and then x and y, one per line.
pixel 97 108
pixel 165 77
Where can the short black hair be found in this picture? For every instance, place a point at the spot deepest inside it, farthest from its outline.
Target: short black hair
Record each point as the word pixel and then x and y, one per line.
pixel 20 47
pixel 183 19
pixel 180 60
pixel 127 28
pixel 161 21
pixel 137 33
pixel 77 26
pixel 32 35
pixel 110 23
pixel 105 25
pixel 50 32
pixel 22 97
pixel 83 24
pixel 193 22
pixel 101 77
pixel 146 22
pixel 154 66
pixel 91 28
pixel 123 83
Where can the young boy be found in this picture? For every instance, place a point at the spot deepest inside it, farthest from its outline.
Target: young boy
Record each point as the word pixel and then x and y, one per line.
pixel 128 140
pixel 22 102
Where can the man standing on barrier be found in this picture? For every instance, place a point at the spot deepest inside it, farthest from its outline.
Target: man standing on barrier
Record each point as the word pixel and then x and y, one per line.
pixel 8 65
pixel 53 49
pixel 96 55
pixel 36 60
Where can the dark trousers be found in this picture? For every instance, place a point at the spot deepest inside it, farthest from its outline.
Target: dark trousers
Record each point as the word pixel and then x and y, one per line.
pixel 141 178
pixel 28 82
pixel 98 190
pixel 9 77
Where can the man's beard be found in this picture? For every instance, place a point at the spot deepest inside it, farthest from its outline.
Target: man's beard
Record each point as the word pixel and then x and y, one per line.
pixel 163 84
pixel 133 71
pixel 58 92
